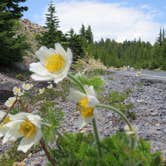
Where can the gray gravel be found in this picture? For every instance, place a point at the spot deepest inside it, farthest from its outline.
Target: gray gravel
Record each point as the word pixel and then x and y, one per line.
pixel 149 99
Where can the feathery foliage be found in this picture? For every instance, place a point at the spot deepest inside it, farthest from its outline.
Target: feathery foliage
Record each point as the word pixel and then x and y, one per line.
pixel 12 44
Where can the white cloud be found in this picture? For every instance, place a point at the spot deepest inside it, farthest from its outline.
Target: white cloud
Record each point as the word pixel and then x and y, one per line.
pixel 108 20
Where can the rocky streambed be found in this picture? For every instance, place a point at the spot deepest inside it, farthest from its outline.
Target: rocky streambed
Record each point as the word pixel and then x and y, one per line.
pixel 148 97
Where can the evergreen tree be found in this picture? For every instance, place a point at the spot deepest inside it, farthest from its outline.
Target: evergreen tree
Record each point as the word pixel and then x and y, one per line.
pixel 52 35
pixel 161 37
pixel 86 36
pixel 82 31
pixel 89 35
pixel 75 44
pixel 12 45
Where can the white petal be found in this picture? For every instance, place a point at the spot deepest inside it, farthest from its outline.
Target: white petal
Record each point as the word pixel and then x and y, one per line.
pixel 12 133
pixel 3 131
pixel 2 114
pixel 75 95
pixel 59 77
pixel 85 121
pixel 35 119
pixel 20 116
pixel 38 136
pixel 69 55
pixel 38 68
pixel 42 53
pixel 51 51
pixel 83 124
pixel 93 100
pixel 25 144
pixel 59 49
pixel 90 90
pixel 41 78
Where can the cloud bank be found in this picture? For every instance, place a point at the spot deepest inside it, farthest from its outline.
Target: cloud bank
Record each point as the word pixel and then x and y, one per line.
pixel 109 20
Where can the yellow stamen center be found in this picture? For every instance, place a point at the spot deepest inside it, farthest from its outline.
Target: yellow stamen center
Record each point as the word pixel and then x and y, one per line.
pixel 54 63
pixel 27 129
pixel 6 120
pixel 85 110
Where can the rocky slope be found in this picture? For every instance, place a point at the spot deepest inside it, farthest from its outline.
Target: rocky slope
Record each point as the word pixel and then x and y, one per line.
pixel 30 30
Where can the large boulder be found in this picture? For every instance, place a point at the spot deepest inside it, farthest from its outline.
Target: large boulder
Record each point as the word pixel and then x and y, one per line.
pixel 6 86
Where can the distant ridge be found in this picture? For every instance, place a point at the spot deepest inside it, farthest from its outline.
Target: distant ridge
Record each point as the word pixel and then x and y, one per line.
pixel 32 27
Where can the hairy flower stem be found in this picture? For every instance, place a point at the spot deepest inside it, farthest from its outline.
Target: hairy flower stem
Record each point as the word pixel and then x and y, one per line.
pixel 47 153
pixel 118 112
pixel 96 135
pixel 70 76
pixel 8 111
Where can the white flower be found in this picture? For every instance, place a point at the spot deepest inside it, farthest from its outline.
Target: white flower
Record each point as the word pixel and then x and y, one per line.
pixel 17 91
pixel 7 119
pixel 41 91
pixel 138 73
pixel 54 64
pixel 85 103
pixel 50 86
pixel 27 86
pixel 10 101
pixel 26 126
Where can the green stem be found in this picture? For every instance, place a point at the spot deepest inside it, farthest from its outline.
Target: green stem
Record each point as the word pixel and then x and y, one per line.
pixel 96 137
pixel 118 112
pixel 77 82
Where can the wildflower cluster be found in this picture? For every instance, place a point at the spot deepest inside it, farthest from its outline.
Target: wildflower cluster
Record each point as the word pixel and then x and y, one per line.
pixel 53 65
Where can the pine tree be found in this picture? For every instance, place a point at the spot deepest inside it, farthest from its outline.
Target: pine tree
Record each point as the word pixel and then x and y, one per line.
pixel 89 35
pixel 52 35
pixel 82 31
pixel 12 45
pixel 75 44
pixel 86 36
pixel 161 37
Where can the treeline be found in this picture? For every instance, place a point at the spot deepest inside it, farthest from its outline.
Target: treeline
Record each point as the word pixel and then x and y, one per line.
pixel 138 54
pixel 52 34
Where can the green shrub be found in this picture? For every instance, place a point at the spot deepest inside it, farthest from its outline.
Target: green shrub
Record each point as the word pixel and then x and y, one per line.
pixel 80 150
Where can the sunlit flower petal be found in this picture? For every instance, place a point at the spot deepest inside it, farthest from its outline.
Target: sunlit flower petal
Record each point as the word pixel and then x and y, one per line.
pixel 27 86
pixel 7 119
pixel 75 95
pixel 41 91
pixel 138 74
pixel 54 64
pixel 10 101
pixel 26 126
pixel 17 91
pixel 50 86
pixel 85 103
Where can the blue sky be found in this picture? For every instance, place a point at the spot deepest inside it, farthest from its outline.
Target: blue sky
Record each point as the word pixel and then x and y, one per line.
pixel 121 20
